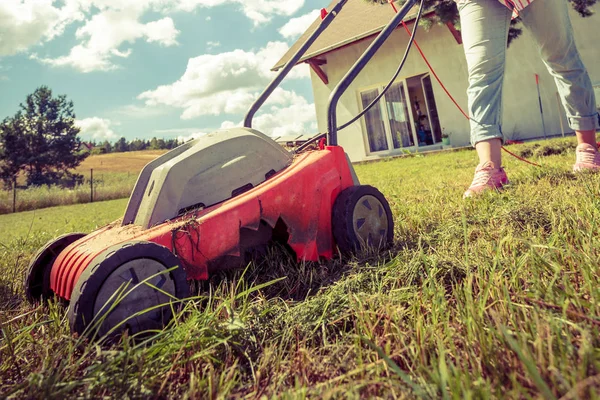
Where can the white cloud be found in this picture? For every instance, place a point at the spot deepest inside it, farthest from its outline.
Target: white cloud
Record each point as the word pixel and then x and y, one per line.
pixel 259 11
pixel 103 35
pixel 297 118
pixel 228 83
pixel 187 138
pixel 162 31
pixel 286 113
pixel 212 45
pixel 225 83
pixel 24 23
pixel 109 25
pixel 297 26
pixel 96 128
pixel 230 124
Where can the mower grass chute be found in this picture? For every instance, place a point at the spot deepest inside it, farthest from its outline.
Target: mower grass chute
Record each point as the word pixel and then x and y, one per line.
pixel 204 207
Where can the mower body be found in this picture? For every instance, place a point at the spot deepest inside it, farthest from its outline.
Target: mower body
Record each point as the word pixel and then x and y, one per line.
pixel 205 206
pixel 215 198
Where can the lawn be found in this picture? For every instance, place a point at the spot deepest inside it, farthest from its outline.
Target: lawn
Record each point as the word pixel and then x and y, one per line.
pixel 495 297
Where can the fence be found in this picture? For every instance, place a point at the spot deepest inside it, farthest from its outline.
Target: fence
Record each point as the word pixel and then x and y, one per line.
pixel 97 187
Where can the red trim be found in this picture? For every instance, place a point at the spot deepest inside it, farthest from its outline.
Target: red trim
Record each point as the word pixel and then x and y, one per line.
pixel 317 69
pixel 454 32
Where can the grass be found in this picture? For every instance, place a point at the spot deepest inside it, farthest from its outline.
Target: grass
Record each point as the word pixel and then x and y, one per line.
pixel 114 176
pixel 492 298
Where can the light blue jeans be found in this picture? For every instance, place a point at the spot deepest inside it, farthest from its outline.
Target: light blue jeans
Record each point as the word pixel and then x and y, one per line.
pixel 485 25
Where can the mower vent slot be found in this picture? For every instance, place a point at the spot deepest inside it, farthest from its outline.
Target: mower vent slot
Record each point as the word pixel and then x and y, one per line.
pixel 241 189
pixel 270 174
pixel 151 188
pixel 197 206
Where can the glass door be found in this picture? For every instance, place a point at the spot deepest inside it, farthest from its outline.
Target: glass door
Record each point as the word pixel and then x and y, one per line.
pixel 432 112
pixel 399 117
pixel 374 122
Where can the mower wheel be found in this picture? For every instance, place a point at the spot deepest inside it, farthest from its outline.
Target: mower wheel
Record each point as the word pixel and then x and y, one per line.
pixel 361 218
pixel 37 278
pixel 129 286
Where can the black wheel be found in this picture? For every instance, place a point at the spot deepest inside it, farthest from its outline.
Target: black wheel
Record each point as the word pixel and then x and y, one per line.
pixel 362 218
pixel 121 283
pixel 37 278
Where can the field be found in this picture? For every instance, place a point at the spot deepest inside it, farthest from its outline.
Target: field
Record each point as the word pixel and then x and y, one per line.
pixel 113 178
pixel 495 297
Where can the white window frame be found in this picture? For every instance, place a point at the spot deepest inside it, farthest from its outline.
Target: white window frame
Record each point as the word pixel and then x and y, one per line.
pixel 386 119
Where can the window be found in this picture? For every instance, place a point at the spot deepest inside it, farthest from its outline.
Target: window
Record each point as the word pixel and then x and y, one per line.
pixel 374 122
pixel 398 117
pixel 395 121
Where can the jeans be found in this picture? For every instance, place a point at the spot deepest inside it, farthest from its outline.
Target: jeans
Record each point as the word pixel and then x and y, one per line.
pixel 485 25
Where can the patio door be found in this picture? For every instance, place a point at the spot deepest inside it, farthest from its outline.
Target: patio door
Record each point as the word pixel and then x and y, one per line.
pixel 432 113
pixel 398 117
pixel 388 124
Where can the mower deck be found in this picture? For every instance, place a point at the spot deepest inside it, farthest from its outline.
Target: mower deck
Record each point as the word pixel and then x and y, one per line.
pixel 301 196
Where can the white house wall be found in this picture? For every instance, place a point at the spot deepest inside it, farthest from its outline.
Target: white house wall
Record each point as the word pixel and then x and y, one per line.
pixel 522 118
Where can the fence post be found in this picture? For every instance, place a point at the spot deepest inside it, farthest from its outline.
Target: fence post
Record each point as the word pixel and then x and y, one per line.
pixel 91 185
pixel 14 195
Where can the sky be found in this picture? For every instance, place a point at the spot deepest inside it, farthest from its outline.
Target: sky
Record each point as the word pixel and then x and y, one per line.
pixel 158 68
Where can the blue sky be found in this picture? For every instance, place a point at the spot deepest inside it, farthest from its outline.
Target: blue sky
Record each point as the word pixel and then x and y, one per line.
pixel 164 68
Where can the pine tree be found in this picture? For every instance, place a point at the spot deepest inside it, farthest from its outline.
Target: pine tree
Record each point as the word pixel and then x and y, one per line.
pixel 107 147
pixel 12 143
pixel 41 140
pixel 121 145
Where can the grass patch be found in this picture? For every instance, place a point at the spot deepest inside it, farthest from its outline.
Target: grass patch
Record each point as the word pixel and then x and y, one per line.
pixel 496 297
pixel 115 175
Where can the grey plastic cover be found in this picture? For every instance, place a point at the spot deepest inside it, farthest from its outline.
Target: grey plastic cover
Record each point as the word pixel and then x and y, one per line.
pixel 207 171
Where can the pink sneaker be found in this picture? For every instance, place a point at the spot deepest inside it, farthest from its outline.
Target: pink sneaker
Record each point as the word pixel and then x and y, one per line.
pixel 588 158
pixel 487 176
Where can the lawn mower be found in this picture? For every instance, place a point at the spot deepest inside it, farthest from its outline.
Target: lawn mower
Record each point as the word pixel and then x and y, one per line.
pixel 205 206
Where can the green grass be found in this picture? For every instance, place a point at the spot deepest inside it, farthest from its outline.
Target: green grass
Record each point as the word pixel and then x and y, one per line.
pixel 114 176
pixel 491 298
pixel 51 222
pixel 108 185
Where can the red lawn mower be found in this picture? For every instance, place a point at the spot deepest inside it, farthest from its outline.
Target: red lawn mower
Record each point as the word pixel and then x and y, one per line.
pixel 203 207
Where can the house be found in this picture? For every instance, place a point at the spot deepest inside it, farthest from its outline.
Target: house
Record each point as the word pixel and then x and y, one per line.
pixel 415 112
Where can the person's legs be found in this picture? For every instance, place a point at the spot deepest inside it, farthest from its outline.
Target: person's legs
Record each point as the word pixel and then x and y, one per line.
pixel 549 23
pixel 485 25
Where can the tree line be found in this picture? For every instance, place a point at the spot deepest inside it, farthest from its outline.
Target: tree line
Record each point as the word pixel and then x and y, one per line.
pixel 122 145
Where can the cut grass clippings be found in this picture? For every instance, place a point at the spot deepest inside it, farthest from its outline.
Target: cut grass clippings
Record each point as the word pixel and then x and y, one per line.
pixel 494 297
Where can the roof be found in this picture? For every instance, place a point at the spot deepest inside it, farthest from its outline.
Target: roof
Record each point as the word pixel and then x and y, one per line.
pixel 357 20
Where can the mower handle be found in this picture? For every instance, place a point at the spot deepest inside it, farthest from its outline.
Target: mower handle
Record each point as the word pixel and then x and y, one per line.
pixel 292 62
pixel 357 67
